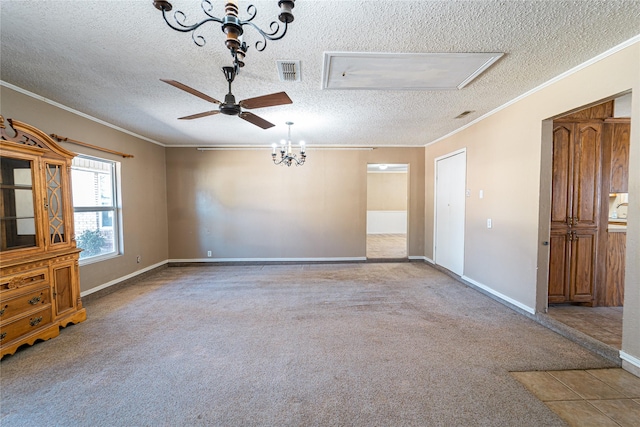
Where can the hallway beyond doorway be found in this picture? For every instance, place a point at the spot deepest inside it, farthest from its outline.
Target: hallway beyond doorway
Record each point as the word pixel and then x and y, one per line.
pixel 386 245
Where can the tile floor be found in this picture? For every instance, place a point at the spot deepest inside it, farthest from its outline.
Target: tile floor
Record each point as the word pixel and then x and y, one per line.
pixel 386 245
pixel 593 397
pixel 601 323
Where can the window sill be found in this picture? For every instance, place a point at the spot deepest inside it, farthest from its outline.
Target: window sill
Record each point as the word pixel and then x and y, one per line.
pixel 94 259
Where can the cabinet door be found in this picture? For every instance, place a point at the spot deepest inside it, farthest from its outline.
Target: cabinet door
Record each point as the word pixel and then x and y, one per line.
pixel 583 265
pixel 613 294
pixel 562 171
pixel 586 175
pixel 559 267
pixel 20 230
pixel 63 290
pixel 620 158
pixel 58 225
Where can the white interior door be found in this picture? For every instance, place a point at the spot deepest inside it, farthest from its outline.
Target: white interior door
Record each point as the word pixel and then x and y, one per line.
pixel 449 211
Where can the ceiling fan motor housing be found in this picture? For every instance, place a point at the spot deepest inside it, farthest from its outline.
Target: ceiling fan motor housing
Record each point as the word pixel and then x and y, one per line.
pixel 230 107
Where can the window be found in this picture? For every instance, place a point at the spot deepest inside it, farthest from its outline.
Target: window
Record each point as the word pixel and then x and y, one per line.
pixel 95 206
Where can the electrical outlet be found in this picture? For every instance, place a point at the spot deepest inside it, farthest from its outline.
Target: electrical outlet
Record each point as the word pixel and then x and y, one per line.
pixel 489 223
pixel 138 259
pixel 208 253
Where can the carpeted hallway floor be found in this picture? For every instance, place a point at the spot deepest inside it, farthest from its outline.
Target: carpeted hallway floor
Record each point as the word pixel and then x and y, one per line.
pixel 390 344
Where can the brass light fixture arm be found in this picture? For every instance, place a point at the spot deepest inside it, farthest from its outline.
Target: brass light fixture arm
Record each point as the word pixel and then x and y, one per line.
pixel 179 20
pixel 289 160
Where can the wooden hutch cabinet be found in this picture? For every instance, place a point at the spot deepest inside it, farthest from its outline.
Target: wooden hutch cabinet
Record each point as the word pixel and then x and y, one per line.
pixel 39 278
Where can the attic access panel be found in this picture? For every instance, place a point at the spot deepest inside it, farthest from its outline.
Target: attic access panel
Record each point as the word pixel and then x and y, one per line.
pixel 403 71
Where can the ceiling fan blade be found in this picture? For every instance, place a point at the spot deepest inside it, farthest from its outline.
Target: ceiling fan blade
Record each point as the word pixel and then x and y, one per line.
pixel 258 121
pixel 191 90
pixel 197 116
pixel 271 100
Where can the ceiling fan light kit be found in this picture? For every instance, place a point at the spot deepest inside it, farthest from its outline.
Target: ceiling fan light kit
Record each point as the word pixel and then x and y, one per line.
pixel 286 152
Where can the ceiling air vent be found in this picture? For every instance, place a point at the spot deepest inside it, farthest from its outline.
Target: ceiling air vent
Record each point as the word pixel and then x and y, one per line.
pixel 289 71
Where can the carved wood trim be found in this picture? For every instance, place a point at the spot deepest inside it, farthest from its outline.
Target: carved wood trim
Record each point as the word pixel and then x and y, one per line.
pixel 28 135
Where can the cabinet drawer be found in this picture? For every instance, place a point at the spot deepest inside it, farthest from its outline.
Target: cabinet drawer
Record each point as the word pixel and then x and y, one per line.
pixel 25 325
pixel 24 303
pixel 17 282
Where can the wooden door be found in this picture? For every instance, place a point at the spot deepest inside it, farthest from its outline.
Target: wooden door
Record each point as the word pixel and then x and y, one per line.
pixel 583 265
pixel 575 211
pixel 559 266
pixel 63 287
pixel 561 213
pixel 620 139
pixel 562 172
pixel 587 155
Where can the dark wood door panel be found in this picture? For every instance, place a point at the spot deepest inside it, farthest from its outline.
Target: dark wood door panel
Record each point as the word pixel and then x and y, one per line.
pixel 586 175
pixel 561 173
pixel 63 289
pixel 620 158
pixel 583 266
pixel 558 267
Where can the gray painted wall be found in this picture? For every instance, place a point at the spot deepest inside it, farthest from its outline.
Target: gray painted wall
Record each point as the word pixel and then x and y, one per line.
pixel 239 205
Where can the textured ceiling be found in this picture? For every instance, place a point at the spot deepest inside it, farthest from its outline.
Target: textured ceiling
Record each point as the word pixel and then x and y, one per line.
pixel 106 59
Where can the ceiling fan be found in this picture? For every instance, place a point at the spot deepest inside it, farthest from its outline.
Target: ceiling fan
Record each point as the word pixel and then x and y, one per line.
pixel 230 107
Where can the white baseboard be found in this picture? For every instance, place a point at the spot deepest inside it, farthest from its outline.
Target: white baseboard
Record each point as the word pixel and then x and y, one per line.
pixel 122 279
pixel 499 295
pixel 430 261
pixel 418 257
pixel 218 260
pixel 631 360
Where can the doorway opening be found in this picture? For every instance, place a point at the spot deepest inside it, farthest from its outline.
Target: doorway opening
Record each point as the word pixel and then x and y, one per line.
pixel 387 211
pixel 589 169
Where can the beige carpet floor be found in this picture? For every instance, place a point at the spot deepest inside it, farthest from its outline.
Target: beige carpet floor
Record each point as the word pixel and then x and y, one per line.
pixel 389 344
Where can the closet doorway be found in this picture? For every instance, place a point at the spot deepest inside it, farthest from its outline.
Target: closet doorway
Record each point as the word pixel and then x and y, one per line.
pixel 450 203
pixel 387 214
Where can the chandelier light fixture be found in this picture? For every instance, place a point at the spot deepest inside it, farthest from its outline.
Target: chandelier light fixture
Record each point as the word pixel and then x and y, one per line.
pixel 231 25
pixel 286 152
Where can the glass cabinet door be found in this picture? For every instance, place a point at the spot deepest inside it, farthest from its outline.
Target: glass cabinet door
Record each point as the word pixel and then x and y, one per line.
pixel 17 214
pixel 54 203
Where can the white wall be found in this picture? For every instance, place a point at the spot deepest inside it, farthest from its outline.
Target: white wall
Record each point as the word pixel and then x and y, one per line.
pixel 386 222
